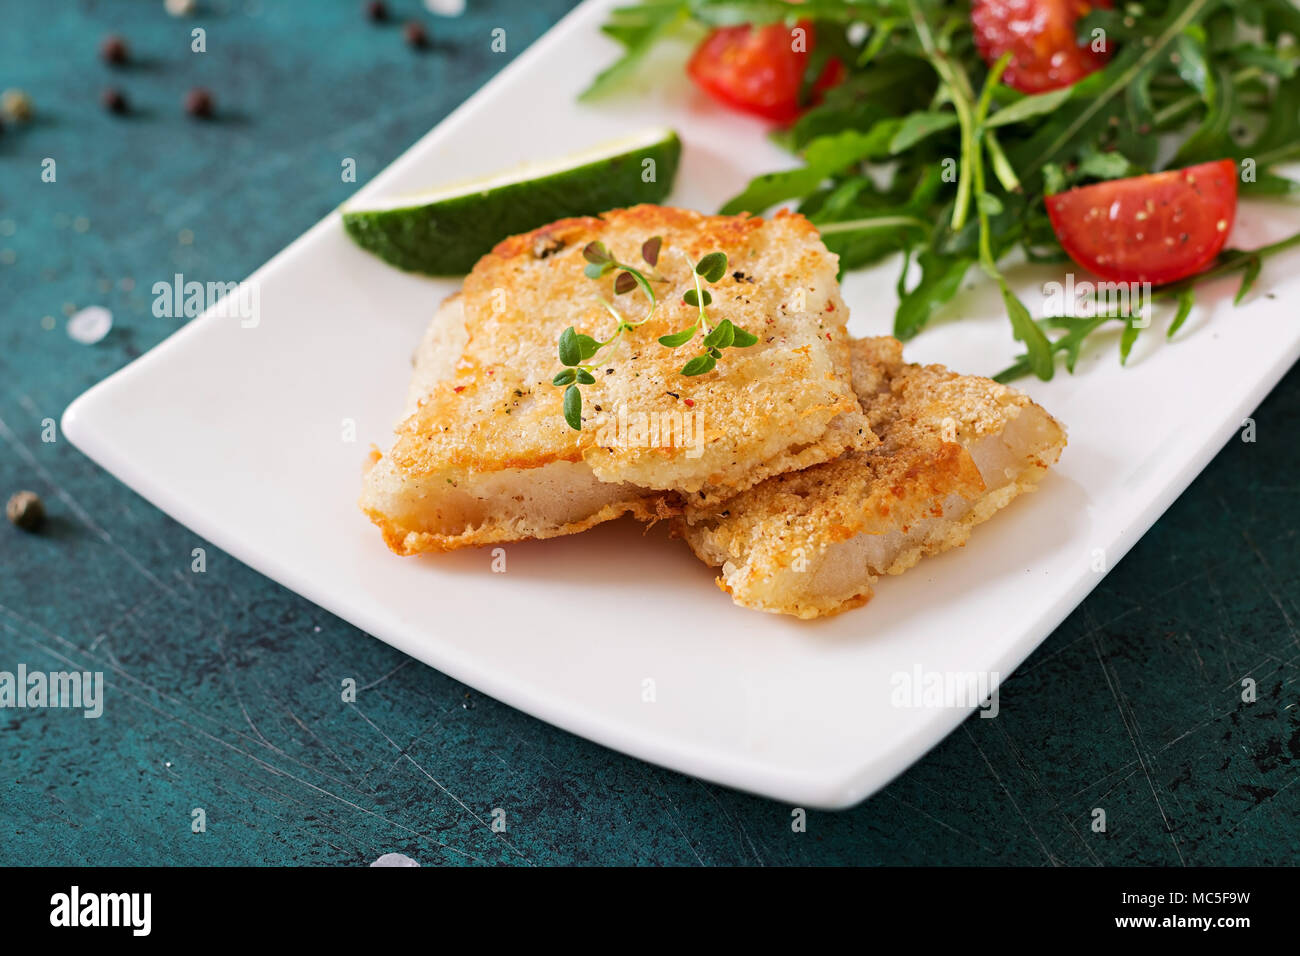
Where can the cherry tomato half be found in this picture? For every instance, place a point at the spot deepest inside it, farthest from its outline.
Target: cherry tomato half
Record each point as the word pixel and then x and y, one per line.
pixel 759 70
pixel 1156 228
pixel 1040 36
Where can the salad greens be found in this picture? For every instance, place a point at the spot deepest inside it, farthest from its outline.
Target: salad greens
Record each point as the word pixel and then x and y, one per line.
pixel 921 150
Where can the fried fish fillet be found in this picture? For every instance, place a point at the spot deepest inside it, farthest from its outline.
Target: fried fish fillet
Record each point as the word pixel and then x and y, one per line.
pixel 485 454
pixel 953 450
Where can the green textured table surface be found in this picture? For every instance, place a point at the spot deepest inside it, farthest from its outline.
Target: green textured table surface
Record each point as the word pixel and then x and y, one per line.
pixel 222 687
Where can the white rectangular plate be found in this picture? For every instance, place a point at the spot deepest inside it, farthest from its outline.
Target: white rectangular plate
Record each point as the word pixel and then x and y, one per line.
pixel 238 433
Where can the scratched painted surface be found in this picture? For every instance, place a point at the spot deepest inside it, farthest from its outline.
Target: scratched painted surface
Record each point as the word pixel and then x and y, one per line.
pixel 222 687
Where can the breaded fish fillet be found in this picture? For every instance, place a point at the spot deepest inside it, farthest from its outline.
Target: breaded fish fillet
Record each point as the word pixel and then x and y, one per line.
pixel 485 454
pixel 953 450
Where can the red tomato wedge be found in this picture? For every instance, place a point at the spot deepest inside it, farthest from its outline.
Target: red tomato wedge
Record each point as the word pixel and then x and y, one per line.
pixel 759 70
pixel 1040 36
pixel 1156 228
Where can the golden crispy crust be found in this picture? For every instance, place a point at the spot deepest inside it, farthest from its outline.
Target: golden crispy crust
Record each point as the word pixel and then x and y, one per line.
pixel 501 411
pixel 918 492
pixel 406 542
pixel 482 424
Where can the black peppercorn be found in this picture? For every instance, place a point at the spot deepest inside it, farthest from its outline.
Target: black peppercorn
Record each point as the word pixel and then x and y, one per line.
pixel 114 50
pixel 415 34
pixel 198 102
pixel 376 10
pixel 114 100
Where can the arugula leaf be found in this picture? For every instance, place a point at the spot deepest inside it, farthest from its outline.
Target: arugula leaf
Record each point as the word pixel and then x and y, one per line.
pixel 1114 165
pixel 917 127
pixel 1268 184
pixel 1029 107
pixel 1211 140
pixel 1189 60
pixel 860 226
pixel 1038 349
pixel 895 86
pixel 1248 277
pixel 940 279
pixel 824 156
pixel 1186 299
pixel 1127 338
pixel 1281 137
pixel 1070 344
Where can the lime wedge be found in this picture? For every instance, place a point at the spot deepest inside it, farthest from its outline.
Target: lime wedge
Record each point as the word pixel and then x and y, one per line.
pixel 445 231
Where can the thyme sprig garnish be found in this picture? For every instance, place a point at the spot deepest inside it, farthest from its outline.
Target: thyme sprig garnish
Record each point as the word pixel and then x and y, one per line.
pixel 722 336
pixel 576 348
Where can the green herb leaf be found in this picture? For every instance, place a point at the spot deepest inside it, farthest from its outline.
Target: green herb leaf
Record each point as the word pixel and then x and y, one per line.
pixel 1253 265
pixel 743 339
pixel 594 270
pixel 624 282
pixel 918 126
pixel 570 350
pixel 940 279
pixel 1029 107
pixel 1211 141
pixel 1114 165
pixel 1269 184
pixel 1127 338
pixel 585 377
pixel 699 365
pixel 1053 179
pixel 596 253
pixel 1070 344
pixel 690 297
pixel 1186 299
pixel 573 407
pixel 713 266
pixel 823 157
pixel 678 339
pixel 587 347
pixel 897 84
pixel 650 250
pixel 1280 138
pixel 1189 50
pixel 565 378
pixel 1038 349
pixel 723 334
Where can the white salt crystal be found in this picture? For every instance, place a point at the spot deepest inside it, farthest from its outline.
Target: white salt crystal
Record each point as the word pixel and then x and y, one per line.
pixel 90 324
pixel 445 8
